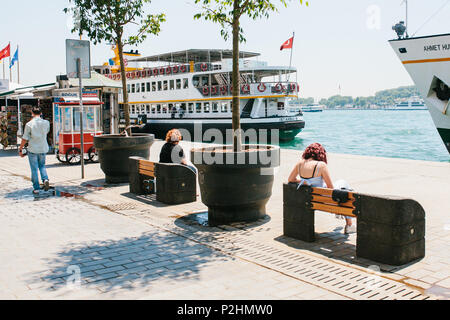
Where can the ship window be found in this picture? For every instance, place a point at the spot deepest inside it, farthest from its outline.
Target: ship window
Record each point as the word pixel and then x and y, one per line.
pixel 198 107
pixel 280 105
pixel 178 84
pixel 165 87
pixel 133 88
pixel 172 84
pixel 159 86
pixel 143 87
pixel 138 87
pixel 190 107
pixel 206 107
pixel 147 109
pixel 196 81
pixel 185 83
pixel 132 108
pixel 154 86
pixel 183 107
pixel 215 107
pixel 205 81
pixel 158 108
pixel 224 107
pixel 164 108
pixel 128 88
pixel 153 108
pixel 148 86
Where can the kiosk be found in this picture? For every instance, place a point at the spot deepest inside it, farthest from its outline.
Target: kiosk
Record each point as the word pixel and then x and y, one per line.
pixel 66 126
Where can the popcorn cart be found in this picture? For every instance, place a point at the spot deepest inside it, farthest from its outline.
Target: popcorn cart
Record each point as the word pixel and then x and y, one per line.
pixel 66 124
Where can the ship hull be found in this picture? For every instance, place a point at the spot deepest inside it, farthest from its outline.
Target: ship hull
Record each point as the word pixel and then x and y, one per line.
pixel 219 130
pixel 427 60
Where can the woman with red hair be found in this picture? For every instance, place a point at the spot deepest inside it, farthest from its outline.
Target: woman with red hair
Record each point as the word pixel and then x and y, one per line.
pixel 312 170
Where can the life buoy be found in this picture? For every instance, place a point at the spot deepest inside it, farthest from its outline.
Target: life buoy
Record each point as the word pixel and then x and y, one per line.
pixel 292 87
pixel 205 91
pixel 204 67
pixel 223 89
pixel 128 75
pixel 161 70
pixel 175 69
pixel 155 71
pixel 168 70
pixel 279 87
pixel 133 75
pixel 213 90
pixel 149 73
pixel 262 87
pixel 183 68
pixel 143 74
pixel 245 88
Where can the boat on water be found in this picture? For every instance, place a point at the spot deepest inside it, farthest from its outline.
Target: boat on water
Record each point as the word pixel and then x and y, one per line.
pixel 427 60
pixel 191 89
pixel 315 107
pixel 411 104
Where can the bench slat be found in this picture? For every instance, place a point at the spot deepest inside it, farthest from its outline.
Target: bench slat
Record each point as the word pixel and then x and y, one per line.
pixel 333 209
pixel 147 172
pixel 146 164
pixel 327 200
pixel 329 192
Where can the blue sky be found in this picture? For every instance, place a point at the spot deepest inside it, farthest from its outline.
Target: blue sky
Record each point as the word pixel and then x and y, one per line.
pixel 337 42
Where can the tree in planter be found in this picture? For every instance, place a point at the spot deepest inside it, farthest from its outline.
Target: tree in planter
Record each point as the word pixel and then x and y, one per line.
pixel 105 21
pixel 228 14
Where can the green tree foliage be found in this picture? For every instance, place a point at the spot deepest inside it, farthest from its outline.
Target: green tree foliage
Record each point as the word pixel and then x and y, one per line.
pixel 305 100
pixel 227 13
pixel 106 20
pixel 381 98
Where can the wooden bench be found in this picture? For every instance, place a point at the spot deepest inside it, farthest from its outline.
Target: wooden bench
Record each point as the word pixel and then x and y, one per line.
pixel 390 230
pixel 172 183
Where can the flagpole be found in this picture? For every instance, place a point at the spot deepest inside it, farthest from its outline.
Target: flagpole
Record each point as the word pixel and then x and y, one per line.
pixel 290 64
pixel 18 65
pixel 10 71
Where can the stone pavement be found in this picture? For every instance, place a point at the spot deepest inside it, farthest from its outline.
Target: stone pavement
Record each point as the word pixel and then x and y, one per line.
pixel 129 247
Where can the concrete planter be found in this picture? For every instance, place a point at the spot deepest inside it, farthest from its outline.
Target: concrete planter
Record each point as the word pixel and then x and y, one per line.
pixel 114 151
pixel 236 186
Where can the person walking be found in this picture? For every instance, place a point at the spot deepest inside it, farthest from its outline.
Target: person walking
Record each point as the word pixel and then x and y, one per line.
pixel 35 134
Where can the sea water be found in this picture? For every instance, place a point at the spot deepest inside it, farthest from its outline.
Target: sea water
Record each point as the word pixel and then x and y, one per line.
pixel 379 133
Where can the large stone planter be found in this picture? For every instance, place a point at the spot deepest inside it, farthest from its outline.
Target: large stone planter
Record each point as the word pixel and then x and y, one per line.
pixel 236 186
pixel 114 151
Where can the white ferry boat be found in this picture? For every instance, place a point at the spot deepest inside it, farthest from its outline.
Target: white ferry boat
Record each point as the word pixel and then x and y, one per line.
pixel 427 60
pixel 412 104
pixel 184 88
pixel 315 107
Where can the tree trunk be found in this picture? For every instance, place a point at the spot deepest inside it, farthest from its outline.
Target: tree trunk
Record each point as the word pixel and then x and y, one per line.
pixel 235 81
pixel 126 110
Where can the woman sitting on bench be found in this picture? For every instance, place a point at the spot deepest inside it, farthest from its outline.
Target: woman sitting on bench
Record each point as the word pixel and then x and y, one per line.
pixel 313 165
pixel 172 152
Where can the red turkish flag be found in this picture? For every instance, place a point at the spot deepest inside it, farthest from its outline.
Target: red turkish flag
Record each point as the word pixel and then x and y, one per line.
pixel 288 44
pixel 5 53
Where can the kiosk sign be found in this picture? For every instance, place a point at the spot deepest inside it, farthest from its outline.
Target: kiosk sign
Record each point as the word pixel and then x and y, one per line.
pixel 78 49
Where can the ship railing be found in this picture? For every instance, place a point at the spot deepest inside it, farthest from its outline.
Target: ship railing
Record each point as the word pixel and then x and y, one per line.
pixel 252 89
pixel 167 70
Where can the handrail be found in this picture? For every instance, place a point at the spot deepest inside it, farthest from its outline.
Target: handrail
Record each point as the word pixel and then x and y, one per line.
pixel 251 88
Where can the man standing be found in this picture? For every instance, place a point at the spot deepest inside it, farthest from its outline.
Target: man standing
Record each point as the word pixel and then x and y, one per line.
pixel 35 134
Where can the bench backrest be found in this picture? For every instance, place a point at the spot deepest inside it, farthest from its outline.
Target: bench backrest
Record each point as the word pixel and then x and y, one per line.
pixel 322 200
pixel 147 168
